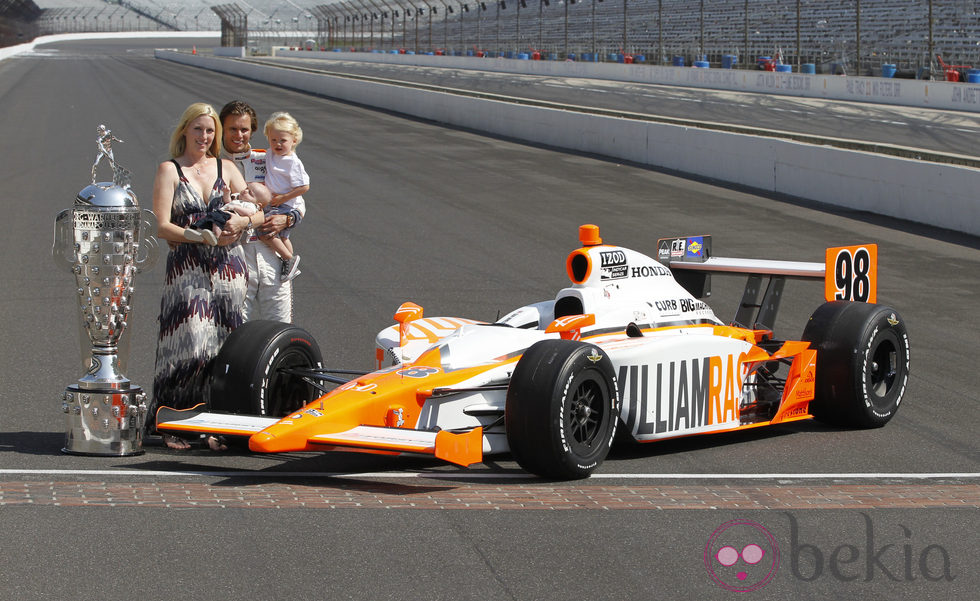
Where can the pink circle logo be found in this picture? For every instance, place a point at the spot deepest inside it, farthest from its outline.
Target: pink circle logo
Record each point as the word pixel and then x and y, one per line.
pixel 741 556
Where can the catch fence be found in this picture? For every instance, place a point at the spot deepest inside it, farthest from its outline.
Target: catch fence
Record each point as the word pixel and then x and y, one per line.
pixel 844 36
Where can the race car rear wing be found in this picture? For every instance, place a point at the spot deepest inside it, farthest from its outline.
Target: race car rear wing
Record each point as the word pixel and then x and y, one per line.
pixel 849 273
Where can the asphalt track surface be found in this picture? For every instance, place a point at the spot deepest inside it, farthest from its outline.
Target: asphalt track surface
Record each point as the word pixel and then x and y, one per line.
pixel 464 225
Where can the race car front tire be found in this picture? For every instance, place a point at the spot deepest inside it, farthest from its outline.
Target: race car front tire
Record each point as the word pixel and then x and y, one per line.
pixel 562 409
pixel 862 363
pixel 246 376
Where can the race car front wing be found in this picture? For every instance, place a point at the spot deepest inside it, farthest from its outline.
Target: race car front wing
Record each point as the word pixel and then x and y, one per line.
pixel 465 448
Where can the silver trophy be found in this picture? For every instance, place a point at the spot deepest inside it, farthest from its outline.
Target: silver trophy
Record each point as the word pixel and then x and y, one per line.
pixel 104 240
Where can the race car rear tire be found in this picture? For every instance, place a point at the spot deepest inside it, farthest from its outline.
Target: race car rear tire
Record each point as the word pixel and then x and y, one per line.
pixel 862 363
pixel 246 376
pixel 562 409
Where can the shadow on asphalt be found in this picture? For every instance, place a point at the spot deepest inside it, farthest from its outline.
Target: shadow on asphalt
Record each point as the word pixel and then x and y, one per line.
pixel 627 448
pixel 307 472
pixel 32 443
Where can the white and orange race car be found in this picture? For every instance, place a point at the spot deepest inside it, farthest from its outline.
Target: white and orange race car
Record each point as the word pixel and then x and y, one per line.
pixel 628 345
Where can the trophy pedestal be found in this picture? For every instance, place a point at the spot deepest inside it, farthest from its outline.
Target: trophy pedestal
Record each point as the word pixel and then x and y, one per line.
pixel 106 422
pixel 105 410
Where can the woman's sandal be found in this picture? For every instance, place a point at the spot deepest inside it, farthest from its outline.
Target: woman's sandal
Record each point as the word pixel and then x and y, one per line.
pixel 175 443
pixel 216 443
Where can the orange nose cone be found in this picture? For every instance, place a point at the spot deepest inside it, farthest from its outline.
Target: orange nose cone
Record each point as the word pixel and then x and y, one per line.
pixel 263 442
pixel 588 234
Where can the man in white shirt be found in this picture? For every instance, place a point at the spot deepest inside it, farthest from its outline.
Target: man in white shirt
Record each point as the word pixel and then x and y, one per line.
pixel 267 297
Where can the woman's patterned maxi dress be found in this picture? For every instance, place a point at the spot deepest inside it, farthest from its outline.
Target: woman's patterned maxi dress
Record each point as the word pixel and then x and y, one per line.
pixel 203 296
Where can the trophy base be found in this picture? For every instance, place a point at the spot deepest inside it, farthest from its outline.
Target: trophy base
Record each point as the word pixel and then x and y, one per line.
pixel 105 423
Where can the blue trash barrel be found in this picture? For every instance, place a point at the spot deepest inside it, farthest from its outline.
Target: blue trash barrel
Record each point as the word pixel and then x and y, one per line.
pixel 571 56
pixel 639 58
pixel 469 53
pixel 612 58
pixel 524 56
pixel 552 56
pixel 973 76
pixel 702 64
pixel 808 68
pixel 728 61
pixel 784 68
pixel 678 61
pixel 888 70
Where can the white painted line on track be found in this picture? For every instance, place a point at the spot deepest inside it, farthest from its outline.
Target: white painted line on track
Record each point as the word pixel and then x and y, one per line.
pixel 486 475
pixel 827 476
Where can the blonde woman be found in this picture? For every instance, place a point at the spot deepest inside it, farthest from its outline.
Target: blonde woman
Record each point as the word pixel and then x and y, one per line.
pixel 204 289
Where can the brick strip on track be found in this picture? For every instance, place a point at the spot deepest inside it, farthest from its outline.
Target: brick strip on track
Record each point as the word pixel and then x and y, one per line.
pixel 383 495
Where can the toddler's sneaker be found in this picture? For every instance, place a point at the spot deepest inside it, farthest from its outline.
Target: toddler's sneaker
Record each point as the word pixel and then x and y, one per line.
pixel 290 269
pixel 203 236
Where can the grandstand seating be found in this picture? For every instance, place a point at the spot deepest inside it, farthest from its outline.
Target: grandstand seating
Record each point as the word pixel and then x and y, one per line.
pixel 892 31
pixel 17 21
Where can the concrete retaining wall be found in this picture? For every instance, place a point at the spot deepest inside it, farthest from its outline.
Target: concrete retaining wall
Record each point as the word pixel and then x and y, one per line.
pixel 934 194
pixel 233 51
pixel 9 51
pixel 908 92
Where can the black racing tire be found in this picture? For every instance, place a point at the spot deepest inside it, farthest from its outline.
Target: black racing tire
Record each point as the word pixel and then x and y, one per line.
pixel 562 409
pixel 862 363
pixel 246 376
